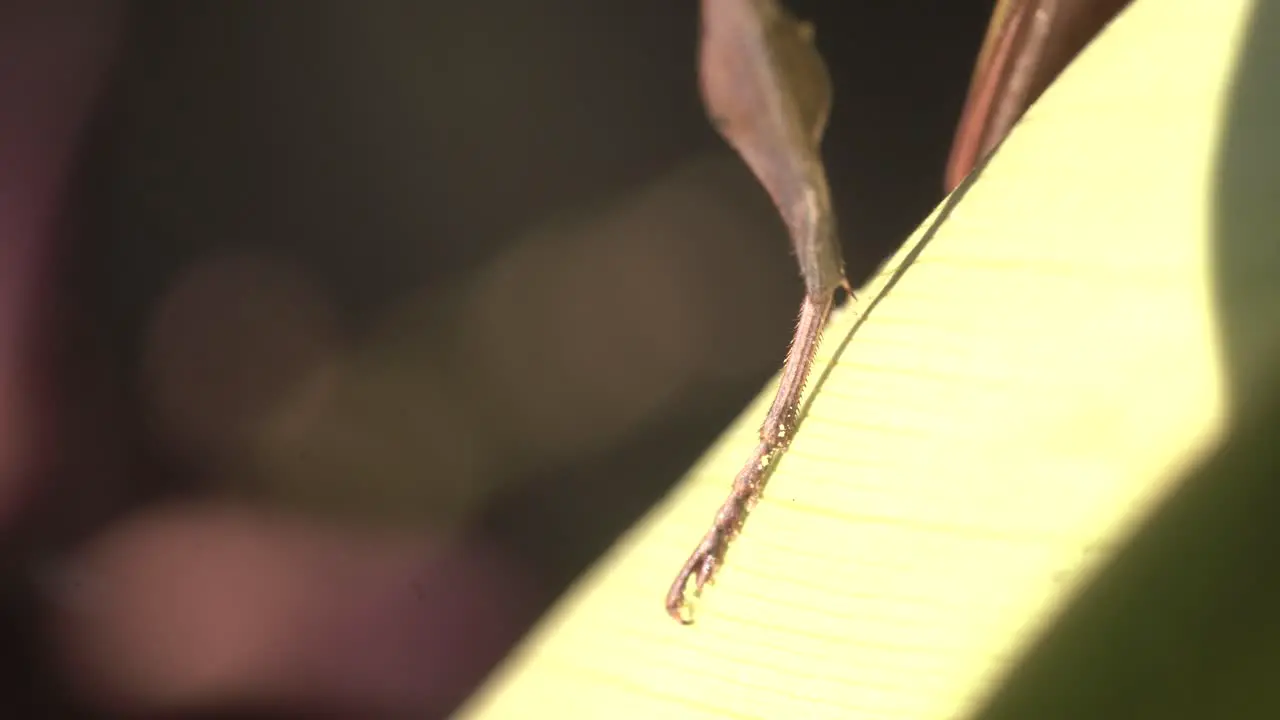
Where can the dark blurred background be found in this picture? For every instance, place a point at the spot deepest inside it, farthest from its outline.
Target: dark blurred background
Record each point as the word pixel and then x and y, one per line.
pixel 473 271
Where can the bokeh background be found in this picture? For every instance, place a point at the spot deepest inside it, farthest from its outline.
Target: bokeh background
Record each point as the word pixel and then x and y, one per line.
pixel 362 329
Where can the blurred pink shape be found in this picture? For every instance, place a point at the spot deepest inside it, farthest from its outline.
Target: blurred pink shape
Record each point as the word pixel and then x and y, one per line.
pixel 200 606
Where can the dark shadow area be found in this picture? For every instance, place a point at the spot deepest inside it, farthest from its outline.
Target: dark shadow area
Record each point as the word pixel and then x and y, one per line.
pixel 1183 624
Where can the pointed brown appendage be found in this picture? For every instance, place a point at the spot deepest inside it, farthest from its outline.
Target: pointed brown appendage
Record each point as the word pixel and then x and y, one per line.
pixel 1028 44
pixel 768 93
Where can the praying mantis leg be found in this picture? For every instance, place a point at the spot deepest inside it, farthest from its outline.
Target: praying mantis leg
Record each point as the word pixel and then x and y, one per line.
pixel 768 93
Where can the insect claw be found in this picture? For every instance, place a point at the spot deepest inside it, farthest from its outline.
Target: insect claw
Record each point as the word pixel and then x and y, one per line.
pixel 706 572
